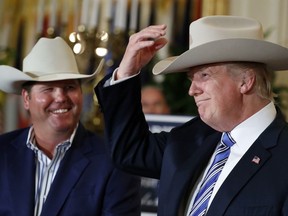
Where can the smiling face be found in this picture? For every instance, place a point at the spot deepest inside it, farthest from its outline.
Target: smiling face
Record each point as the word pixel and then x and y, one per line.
pixel 217 95
pixel 54 106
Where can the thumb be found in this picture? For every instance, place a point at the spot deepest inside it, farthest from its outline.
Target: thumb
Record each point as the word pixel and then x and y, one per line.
pixel 159 43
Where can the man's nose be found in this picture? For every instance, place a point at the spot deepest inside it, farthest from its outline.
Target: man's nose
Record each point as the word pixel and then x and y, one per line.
pixel 193 89
pixel 60 94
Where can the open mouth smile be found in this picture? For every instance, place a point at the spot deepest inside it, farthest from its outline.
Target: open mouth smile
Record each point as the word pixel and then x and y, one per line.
pixel 59 111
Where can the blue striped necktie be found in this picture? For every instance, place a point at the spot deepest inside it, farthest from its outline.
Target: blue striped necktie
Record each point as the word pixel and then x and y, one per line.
pixel 202 199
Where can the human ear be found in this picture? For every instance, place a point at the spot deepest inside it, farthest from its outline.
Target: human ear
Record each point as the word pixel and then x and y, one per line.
pixel 26 99
pixel 247 82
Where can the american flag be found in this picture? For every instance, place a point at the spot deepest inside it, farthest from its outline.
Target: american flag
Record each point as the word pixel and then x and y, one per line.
pixel 256 160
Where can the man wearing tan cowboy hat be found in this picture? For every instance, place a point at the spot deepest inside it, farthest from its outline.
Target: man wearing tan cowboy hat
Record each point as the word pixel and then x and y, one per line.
pixel 228 64
pixel 56 166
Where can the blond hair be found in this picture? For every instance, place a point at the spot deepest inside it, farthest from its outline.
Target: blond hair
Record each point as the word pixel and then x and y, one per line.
pixel 263 85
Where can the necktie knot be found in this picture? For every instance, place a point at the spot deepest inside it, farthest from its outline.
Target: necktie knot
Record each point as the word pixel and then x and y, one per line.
pixel 227 139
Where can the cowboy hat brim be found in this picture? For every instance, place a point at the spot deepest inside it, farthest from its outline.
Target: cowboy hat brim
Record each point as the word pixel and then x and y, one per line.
pixel 12 83
pixel 14 79
pixel 226 50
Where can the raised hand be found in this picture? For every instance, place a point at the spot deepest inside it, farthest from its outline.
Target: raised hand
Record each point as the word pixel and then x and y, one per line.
pixel 140 50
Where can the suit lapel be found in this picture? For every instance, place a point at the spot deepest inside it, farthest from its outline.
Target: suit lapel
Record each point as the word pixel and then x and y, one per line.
pixel 186 174
pixel 70 170
pixel 21 176
pixel 238 178
pixel 246 167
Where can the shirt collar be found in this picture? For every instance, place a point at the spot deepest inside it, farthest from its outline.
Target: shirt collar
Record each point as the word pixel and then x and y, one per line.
pixel 31 142
pixel 253 126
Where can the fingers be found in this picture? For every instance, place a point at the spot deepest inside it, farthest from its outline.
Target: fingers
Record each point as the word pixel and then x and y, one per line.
pixel 140 50
pixel 148 36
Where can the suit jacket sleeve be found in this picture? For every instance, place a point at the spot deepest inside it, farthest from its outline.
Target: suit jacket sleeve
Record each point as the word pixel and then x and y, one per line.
pixel 122 195
pixel 130 142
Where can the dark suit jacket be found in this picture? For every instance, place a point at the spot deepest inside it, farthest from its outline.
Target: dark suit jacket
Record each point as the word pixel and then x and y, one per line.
pixel 179 157
pixel 86 184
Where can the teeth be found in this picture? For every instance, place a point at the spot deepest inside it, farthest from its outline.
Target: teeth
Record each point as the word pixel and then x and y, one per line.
pixel 60 111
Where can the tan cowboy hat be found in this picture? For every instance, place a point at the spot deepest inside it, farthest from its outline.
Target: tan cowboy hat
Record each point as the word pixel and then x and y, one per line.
pixel 224 39
pixel 49 60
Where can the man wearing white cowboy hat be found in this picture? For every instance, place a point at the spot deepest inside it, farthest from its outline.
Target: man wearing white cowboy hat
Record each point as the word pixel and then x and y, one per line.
pixel 228 64
pixel 56 166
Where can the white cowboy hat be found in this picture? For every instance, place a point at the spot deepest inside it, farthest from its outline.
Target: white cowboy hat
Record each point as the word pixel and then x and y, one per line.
pixel 49 60
pixel 224 39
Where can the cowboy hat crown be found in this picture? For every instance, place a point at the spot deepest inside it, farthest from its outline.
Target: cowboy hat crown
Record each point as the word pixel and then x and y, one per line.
pixel 49 60
pixel 225 39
